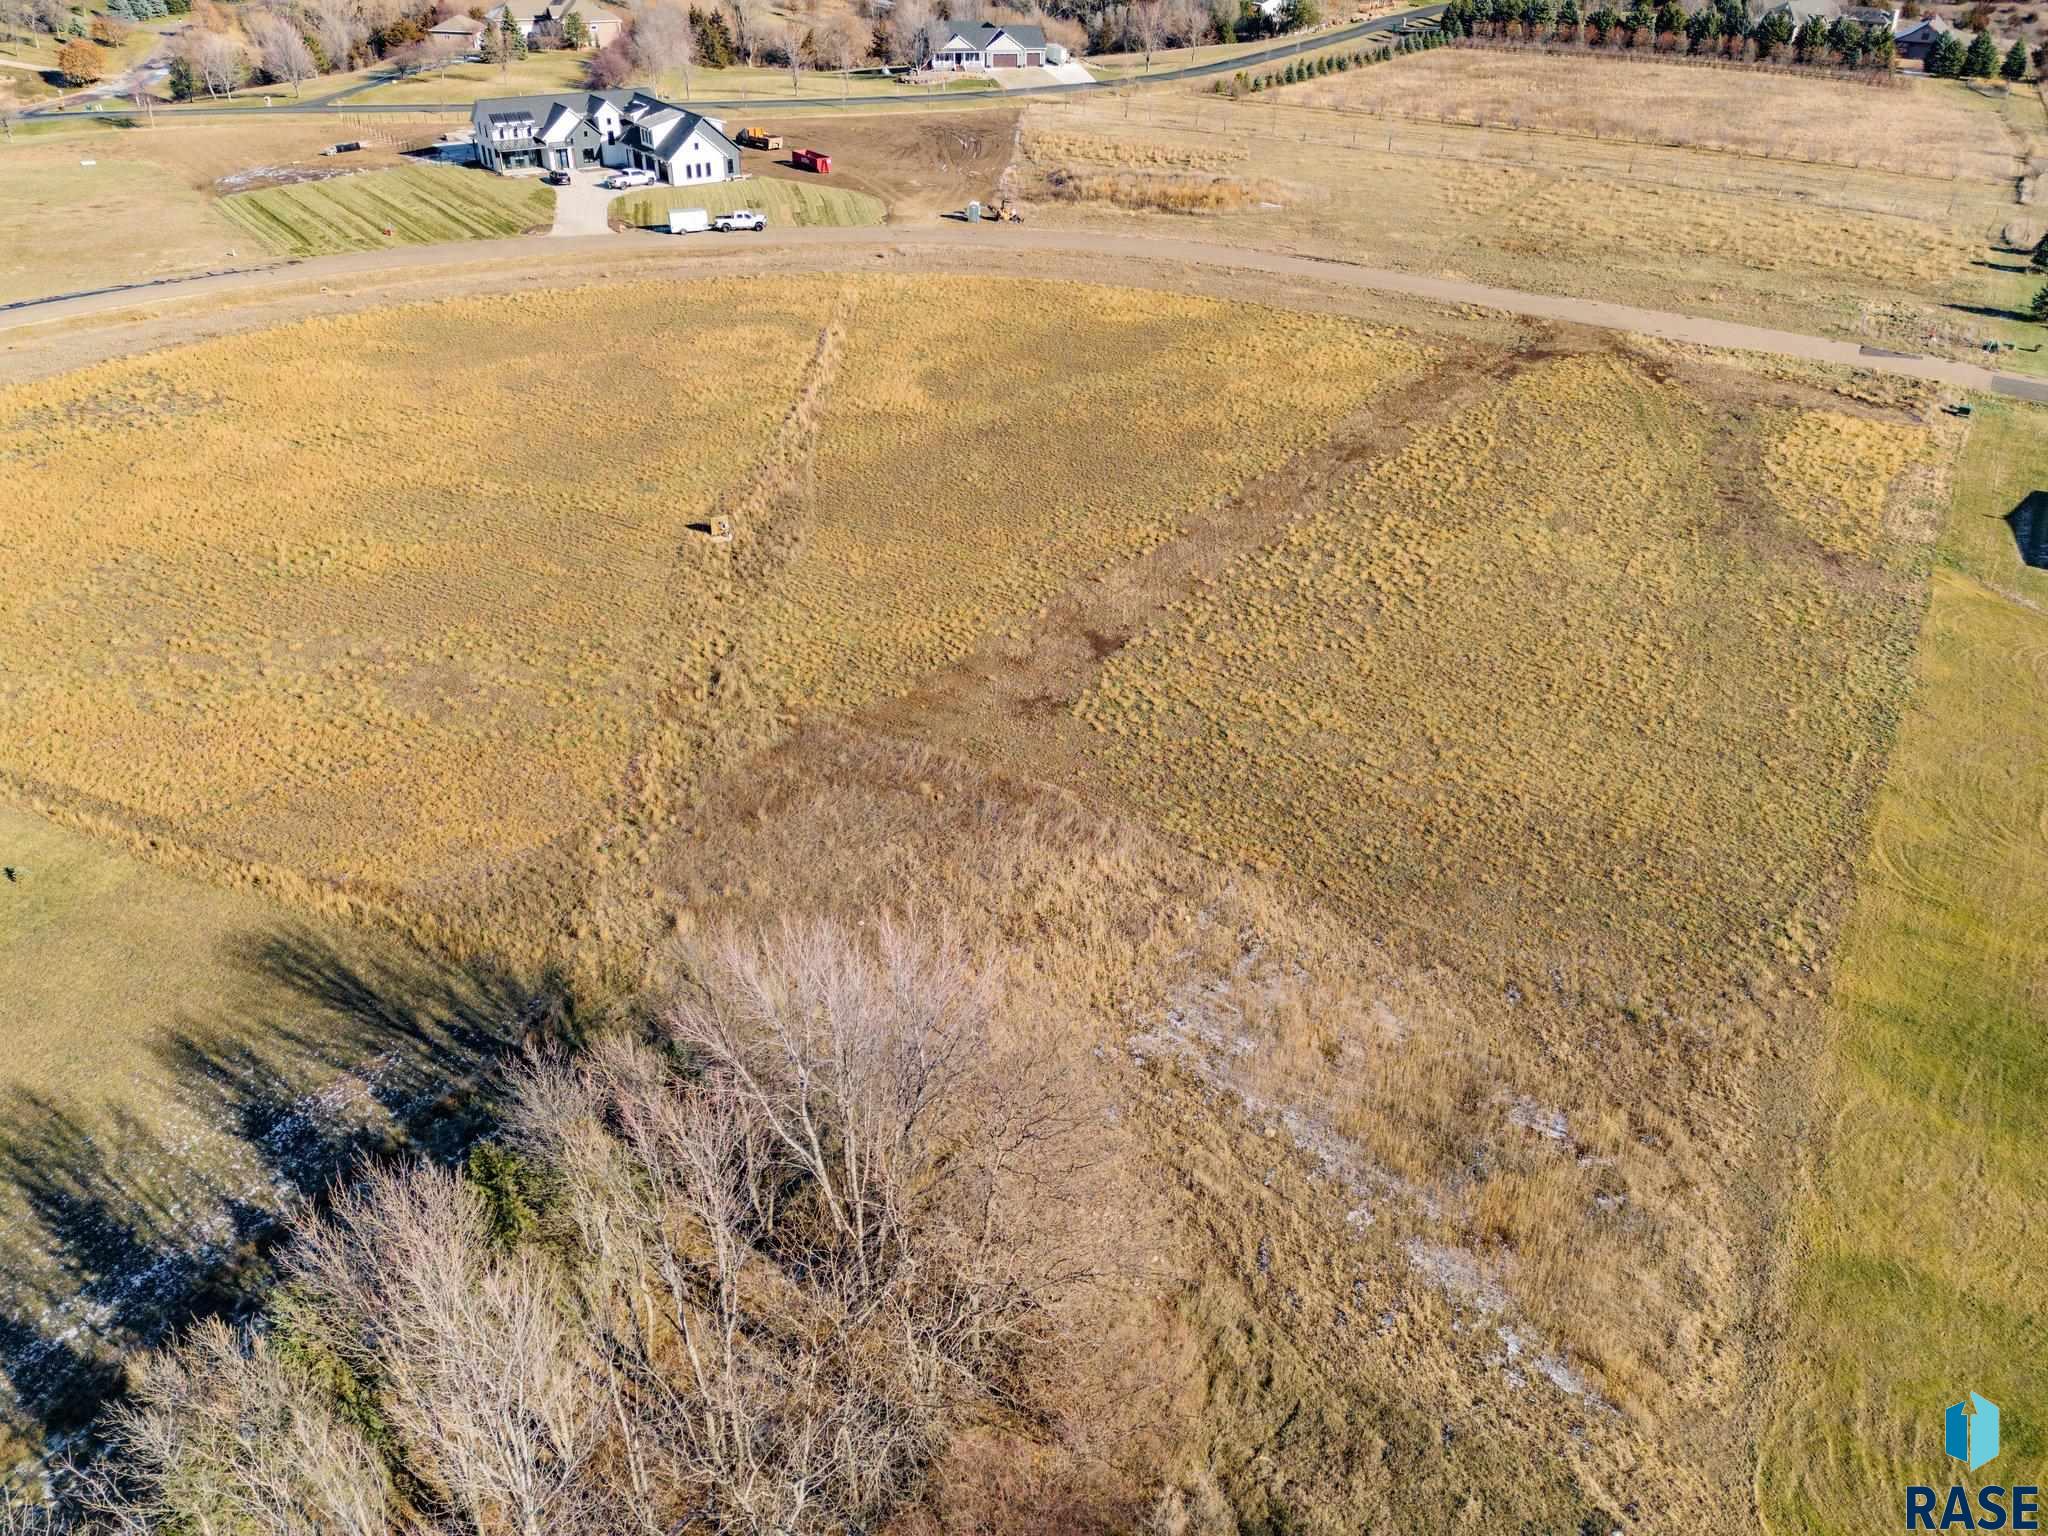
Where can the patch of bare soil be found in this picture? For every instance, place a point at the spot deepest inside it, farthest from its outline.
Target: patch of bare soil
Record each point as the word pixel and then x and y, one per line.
pixel 919 164
pixel 256 177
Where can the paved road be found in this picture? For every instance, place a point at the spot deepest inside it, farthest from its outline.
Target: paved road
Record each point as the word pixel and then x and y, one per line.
pixel 339 101
pixel 1062 247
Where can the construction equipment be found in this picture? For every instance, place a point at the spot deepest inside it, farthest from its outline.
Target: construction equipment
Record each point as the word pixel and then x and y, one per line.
pixel 757 138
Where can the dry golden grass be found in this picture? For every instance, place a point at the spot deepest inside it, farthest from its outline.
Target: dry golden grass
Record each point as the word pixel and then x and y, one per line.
pixel 1164 192
pixel 392 629
pixel 1800 245
pixel 1535 689
pixel 1052 145
pixel 363 617
pixel 1933 131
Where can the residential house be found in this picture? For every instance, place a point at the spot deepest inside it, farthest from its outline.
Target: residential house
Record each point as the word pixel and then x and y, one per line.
pixel 540 21
pixel 1917 40
pixel 575 130
pixel 1827 12
pixel 981 46
pixel 462 35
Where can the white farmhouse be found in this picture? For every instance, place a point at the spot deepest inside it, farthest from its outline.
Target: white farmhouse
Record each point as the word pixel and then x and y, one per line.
pixel 575 130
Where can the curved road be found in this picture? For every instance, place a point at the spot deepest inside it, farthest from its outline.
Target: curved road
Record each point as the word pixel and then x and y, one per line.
pixel 338 101
pixel 828 246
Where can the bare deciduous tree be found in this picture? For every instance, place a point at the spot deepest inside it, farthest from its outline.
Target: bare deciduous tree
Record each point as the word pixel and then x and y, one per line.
pixel 281 51
pixel 481 1375
pixel 663 41
pixel 220 1436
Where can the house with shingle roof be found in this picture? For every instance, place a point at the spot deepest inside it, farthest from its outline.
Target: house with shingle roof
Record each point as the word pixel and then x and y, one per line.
pixel 981 46
pixel 574 130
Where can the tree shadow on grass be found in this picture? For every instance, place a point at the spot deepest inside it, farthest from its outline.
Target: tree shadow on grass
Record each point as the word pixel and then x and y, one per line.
pixel 2029 524
pixel 116 1229
pixel 1991 311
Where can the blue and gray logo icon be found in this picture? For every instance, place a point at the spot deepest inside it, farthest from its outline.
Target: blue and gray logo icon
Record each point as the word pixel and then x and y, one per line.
pixel 1972 1431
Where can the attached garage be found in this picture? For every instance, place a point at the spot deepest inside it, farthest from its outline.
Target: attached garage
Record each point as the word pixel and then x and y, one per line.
pixel 1004 61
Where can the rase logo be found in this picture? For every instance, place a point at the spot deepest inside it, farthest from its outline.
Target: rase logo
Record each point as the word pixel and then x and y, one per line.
pixel 1970 1435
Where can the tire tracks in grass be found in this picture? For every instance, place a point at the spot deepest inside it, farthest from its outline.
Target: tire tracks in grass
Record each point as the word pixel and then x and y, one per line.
pixel 720 704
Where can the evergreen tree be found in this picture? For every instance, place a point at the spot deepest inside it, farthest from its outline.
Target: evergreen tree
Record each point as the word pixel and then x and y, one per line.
pixel 1670 19
pixel 2039 307
pixel 1772 32
pixel 2040 257
pixel 1845 37
pixel 1603 22
pixel 575 32
pixel 1640 20
pixel 2015 65
pixel 1568 20
pixel 1701 28
pixel 1536 15
pixel 1945 58
pixel 1981 61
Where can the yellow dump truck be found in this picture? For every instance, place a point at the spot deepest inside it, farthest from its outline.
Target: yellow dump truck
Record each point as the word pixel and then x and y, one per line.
pixel 757 138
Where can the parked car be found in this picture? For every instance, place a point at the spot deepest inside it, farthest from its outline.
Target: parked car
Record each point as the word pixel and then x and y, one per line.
pixel 738 219
pixel 556 178
pixel 631 178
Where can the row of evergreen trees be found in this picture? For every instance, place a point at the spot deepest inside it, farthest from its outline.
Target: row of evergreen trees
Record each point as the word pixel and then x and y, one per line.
pixel 1727 28
pixel 1724 28
pixel 147 10
pixel 1241 83
pixel 1950 59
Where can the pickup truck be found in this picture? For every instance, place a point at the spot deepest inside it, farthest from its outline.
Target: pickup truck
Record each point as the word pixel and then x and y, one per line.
pixel 738 219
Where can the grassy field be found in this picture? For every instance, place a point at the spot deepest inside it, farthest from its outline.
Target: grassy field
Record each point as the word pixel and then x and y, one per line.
pixel 1941 131
pixel 1466 739
pixel 410 205
pixel 784 202
pixel 149 203
pixel 373 742
pixel 1906 262
pixel 1915 1282
pixel 183 1060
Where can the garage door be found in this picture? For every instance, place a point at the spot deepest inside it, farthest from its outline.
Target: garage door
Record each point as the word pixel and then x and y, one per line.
pixel 1003 61
pixel 1034 60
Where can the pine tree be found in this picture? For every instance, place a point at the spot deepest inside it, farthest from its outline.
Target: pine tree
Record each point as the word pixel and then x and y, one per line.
pixel 2015 65
pixel 1945 58
pixel 1981 62
pixel 1568 20
pixel 2039 307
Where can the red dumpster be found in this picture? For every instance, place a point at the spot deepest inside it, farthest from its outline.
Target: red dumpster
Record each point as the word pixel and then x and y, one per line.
pixel 811 160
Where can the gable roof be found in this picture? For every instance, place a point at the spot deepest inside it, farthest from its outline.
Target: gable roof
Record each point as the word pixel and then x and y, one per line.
pixel 979 35
pixel 456 26
pixel 666 127
pixel 1926 29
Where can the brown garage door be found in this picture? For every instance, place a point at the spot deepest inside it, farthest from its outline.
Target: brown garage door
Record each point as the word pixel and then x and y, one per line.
pixel 1003 61
pixel 1034 60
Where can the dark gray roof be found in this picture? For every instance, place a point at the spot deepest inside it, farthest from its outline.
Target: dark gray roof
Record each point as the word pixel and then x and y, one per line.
pixel 493 109
pixel 981 34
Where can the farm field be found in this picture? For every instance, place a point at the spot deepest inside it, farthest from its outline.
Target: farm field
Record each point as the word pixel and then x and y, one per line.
pixel 1938 130
pixel 1422 770
pixel 1911 1267
pixel 1905 261
pixel 418 204
pixel 72 226
pixel 784 202
pixel 266 670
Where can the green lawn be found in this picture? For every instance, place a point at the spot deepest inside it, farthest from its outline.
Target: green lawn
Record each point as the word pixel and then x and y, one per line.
pixel 420 205
pixel 1919 1276
pixel 537 72
pixel 784 202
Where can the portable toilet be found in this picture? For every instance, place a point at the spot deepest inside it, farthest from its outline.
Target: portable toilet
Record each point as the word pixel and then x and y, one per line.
pixel 974 212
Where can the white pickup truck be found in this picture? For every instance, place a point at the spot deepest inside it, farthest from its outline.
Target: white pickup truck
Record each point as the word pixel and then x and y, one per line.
pixel 738 219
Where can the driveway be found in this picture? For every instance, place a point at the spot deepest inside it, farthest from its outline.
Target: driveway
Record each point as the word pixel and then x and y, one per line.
pixel 581 208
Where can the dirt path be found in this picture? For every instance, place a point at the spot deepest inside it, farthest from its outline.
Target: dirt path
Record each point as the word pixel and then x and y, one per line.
pixel 807 249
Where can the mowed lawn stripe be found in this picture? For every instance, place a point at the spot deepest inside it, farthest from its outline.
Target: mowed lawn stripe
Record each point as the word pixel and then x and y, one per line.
pixel 1919 1277
pixel 784 203
pixel 418 204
